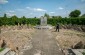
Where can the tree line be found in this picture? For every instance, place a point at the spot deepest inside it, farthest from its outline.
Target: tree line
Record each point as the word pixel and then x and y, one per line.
pixel 74 18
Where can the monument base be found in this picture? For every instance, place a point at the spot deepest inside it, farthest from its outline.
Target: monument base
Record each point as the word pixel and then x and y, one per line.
pixel 44 27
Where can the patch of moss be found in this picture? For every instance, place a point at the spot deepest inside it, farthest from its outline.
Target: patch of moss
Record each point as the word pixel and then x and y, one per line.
pixel 83 53
pixel 1 49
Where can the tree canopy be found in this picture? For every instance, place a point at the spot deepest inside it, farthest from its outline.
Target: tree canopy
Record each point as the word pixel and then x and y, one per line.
pixel 75 13
pixel 46 15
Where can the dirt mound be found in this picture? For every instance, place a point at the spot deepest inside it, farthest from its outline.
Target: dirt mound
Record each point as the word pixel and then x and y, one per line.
pixel 17 39
pixel 68 38
pixel 74 27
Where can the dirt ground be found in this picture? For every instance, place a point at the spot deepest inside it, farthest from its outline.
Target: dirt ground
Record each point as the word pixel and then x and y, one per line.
pixel 68 38
pixel 17 38
pixel 21 38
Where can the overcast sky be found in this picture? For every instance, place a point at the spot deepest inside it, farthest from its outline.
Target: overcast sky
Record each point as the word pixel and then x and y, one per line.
pixel 32 8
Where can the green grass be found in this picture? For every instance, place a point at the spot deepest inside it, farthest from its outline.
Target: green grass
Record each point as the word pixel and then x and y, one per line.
pixel 1 49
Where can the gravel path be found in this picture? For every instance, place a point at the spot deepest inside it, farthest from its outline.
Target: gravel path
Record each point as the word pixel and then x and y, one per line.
pixel 43 44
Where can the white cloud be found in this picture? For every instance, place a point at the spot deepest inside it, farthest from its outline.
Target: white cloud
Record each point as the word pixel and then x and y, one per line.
pixel 3 1
pixel 31 13
pixel 11 11
pixel 20 9
pixel 27 7
pixel 52 12
pixel 38 9
pixel 10 14
pixel 61 8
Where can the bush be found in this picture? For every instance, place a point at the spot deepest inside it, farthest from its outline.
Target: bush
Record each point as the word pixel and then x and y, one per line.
pixel 36 21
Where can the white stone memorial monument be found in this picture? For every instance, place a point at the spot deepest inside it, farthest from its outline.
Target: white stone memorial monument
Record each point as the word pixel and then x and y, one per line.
pixel 43 21
pixel 43 24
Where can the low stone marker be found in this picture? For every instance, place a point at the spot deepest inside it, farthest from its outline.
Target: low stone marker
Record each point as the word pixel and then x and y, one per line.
pixel 76 51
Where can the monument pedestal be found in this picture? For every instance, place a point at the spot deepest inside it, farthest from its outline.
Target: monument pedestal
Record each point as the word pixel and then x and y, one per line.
pixel 44 27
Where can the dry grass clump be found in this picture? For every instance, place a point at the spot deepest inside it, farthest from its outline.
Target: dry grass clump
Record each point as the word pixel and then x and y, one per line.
pixel 17 38
pixel 68 38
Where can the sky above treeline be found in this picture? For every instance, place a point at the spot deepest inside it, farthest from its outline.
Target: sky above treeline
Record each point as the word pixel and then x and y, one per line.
pixel 37 8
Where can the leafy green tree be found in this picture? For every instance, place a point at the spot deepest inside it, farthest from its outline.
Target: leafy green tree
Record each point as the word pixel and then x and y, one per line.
pixel 0 21
pixel 75 13
pixel 35 17
pixel 14 17
pixel 24 17
pixel 56 17
pixel 14 20
pixel 46 15
pixel 4 20
pixel 5 15
pixel 23 20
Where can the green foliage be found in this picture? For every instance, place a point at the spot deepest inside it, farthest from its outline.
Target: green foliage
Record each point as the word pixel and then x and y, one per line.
pixel 1 49
pixel 36 21
pixel 5 16
pixel 75 13
pixel 56 17
pixel 73 21
pixel 14 20
pixel 83 53
pixel 33 21
pixel 46 15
